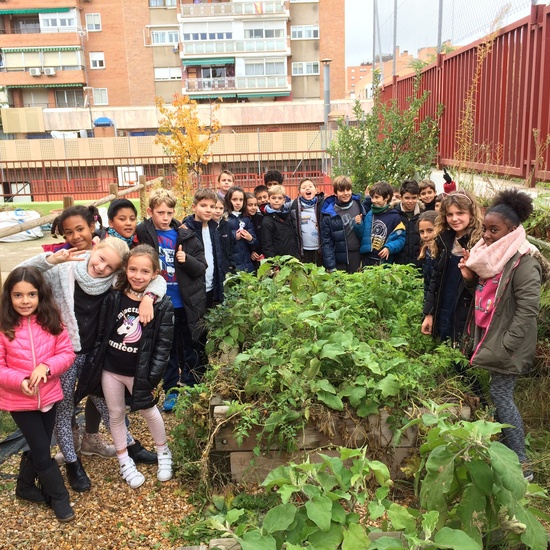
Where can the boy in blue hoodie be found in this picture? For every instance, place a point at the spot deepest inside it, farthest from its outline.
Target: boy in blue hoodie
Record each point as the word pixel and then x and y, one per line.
pixel 381 231
pixel 339 243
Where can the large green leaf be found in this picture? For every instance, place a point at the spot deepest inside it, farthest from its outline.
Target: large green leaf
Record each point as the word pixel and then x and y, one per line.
pixel 401 519
pixel 471 511
pixel 355 537
pixel 330 400
pixel 279 518
pixel 332 351
pixel 438 480
pixel 505 462
pixel 319 510
pixel 535 536
pixel 386 543
pixel 455 539
pixel 481 475
pixel 254 540
pixel 389 386
pixel 329 540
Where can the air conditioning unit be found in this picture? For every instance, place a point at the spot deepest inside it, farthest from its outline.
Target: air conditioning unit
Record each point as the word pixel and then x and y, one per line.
pixel 35 71
pixel 49 71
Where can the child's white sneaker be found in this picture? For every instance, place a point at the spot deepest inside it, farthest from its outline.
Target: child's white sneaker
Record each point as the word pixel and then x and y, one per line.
pixel 131 475
pixel 164 472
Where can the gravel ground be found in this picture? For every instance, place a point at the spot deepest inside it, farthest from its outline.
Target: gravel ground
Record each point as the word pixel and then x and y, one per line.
pixel 109 516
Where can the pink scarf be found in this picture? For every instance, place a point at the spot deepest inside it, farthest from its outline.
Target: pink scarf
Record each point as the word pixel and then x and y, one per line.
pixel 489 260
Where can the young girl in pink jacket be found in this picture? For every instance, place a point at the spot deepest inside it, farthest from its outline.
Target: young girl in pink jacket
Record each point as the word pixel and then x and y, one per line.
pixel 35 350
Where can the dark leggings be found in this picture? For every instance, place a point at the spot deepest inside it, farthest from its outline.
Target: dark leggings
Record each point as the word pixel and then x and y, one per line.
pixel 502 393
pixel 37 428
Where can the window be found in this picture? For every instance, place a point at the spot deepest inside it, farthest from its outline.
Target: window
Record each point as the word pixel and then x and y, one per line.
pixel 305 68
pixel 93 22
pixel 97 60
pixel 304 32
pixel 58 22
pixel 164 37
pixel 168 73
pixel 196 36
pixel 100 96
pixel 267 68
pixel 263 33
pixel 161 3
pixel 69 98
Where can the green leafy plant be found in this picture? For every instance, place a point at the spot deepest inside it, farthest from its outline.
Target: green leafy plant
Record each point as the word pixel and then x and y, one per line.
pixel 389 143
pixel 472 496
pixel 295 346
pixel 476 486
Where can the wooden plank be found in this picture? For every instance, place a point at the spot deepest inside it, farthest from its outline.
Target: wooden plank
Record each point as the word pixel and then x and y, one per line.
pixel 247 467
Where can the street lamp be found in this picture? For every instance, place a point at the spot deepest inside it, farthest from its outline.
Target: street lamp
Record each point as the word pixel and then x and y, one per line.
pixel 326 88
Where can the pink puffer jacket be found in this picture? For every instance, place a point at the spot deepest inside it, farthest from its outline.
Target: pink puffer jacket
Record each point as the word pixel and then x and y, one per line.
pixel 31 346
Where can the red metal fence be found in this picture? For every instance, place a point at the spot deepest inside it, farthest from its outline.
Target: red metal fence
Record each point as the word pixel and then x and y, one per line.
pixel 89 179
pixel 512 122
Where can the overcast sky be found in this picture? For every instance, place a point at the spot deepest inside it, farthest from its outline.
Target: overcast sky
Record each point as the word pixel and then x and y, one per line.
pixel 463 21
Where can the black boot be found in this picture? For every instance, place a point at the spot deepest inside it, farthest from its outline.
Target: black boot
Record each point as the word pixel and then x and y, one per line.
pixel 140 455
pixel 78 480
pixel 56 492
pixel 26 487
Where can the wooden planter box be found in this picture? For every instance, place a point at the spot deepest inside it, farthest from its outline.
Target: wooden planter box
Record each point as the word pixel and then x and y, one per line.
pixel 374 431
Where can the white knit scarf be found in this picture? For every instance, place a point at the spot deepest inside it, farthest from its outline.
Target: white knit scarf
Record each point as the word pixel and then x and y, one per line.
pixel 489 260
pixel 93 286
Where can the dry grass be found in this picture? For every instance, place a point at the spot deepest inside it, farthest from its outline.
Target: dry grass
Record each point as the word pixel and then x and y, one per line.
pixel 110 516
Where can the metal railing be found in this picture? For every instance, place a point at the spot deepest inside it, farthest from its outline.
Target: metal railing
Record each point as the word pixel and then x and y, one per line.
pixel 241 83
pixel 89 179
pixel 512 120
pixel 233 8
pixel 252 45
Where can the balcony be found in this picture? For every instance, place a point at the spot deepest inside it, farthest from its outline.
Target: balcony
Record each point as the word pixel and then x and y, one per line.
pixel 255 9
pixel 26 40
pixel 237 85
pixel 61 77
pixel 280 46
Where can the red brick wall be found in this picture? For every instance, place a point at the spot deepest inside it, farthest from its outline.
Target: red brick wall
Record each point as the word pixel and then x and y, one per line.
pixel 332 45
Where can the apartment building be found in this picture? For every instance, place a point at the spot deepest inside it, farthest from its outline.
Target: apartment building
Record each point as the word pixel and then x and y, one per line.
pixel 68 64
pixel 117 53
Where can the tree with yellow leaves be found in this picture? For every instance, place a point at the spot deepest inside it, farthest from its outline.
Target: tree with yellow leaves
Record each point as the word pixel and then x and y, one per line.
pixel 186 138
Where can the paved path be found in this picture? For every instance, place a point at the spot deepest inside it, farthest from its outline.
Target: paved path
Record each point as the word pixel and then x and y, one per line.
pixel 12 254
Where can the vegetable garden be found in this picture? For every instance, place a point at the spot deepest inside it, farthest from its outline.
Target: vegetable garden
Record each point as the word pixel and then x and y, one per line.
pixel 295 347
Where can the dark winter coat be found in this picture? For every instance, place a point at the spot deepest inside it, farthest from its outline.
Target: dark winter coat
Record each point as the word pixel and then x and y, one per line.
pixel 154 353
pixel 241 248
pixel 278 236
pixel 222 264
pixel 432 302
pixel 411 250
pixel 333 236
pixel 508 345
pixel 190 274
pixel 295 218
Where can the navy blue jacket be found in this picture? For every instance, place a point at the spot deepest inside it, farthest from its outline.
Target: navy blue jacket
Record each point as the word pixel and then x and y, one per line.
pixel 221 238
pixel 333 237
pixel 241 248
pixel 411 250
pixel 463 297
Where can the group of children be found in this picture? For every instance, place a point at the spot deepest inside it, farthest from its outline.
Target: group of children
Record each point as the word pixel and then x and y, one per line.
pixel 118 312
